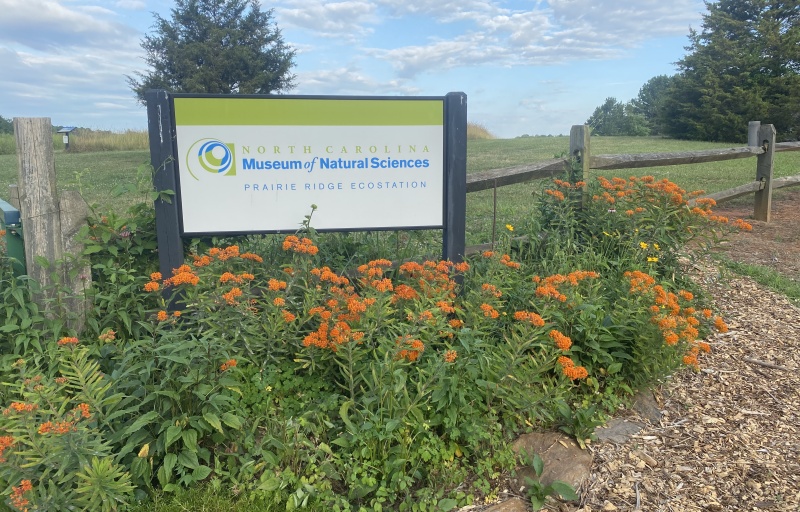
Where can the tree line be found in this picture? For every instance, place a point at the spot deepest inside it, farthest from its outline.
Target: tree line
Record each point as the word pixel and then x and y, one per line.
pixel 743 65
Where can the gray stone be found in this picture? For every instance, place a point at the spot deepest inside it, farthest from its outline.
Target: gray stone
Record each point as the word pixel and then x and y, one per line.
pixel 563 459
pixel 618 430
pixel 645 404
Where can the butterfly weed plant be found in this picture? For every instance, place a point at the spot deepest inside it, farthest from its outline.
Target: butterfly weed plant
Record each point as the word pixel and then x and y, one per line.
pixel 287 374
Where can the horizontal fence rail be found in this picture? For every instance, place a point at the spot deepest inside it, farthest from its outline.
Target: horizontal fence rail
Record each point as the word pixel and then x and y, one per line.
pixel 761 144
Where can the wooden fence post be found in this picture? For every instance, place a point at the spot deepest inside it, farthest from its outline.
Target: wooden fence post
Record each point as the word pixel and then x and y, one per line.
pixel 752 133
pixel 764 171
pixel 579 136
pixel 41 220
pixel 38 198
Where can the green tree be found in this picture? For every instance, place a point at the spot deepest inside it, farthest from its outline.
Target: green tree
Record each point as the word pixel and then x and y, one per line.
pixel 650 102
pixel 218 47
pixel 6 126
pixel 743 66
pixel 616 118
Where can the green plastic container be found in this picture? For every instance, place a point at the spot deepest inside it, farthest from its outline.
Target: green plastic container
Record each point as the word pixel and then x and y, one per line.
pixel 15 243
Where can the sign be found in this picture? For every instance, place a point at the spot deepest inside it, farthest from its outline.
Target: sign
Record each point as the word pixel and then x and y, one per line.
pixel 257 165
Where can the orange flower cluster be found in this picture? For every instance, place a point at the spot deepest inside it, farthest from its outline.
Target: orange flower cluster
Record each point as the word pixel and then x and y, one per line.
pixel 455 323
pixel 239 279
pixel 108 336
pixel 491 290
pixel 67 341
pixel 410 348
pixel 230 297
pixel 404 292
pixel 450 356
pixel 742 225
pixel 445 307
pixel 506 260
pixel 276 285
pixel 182 275
pixel 225 253
pixel 325 274
pixel 252 257
pixel 58 428
pixel 374 268
pixel 288 317
pixel 528 316
pixel 2 232
pixel 162 316
pixel 20 407
pixel 557 194
pixel 675 322
pixel 549 286
pixel 569 369
pixel 489 311
pixel 17 498
pixel 720 324
pixel 302 246
pixel 227 365
pixel 6 442
pixel 83 410
pixel 562 342
pixel 568 185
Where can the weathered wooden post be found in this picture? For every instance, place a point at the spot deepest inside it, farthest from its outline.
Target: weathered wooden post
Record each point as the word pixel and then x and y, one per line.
pixel 49 223
pixel 764 170
pixel 579 144
pixel 752 133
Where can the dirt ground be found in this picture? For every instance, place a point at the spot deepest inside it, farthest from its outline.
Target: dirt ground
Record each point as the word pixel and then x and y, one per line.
pixel 775 244
pixel 728 435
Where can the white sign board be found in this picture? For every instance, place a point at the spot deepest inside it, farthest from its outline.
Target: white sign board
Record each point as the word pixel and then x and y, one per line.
pixel 258 164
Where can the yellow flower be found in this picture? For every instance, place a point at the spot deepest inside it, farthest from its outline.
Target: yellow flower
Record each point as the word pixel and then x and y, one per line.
pixel 509 227
pixel 643 245
pixel 652 259
pixel 656 247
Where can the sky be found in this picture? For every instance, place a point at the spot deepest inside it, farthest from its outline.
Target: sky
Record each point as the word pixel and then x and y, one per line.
pixel 530 67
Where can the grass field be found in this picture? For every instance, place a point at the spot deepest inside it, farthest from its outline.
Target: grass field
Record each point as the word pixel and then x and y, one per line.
pixel 97 174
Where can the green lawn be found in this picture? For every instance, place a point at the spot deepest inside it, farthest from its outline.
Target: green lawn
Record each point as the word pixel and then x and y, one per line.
pixel 97 174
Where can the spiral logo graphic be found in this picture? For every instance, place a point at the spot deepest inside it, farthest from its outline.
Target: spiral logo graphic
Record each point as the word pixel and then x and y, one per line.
pixel 212 156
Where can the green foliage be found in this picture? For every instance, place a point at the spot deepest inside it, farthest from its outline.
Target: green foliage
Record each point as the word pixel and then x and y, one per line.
pixel 743 66
pixel 538 492
pixel 56 451
pixel 319 380
pixel 613 118
pixel 216 46
pixel 650 102
pixel 6 126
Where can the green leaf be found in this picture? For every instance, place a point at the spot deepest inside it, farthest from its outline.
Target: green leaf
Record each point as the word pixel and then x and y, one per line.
pixel 270 484
pixel 564 490
pixel 537 502
pixel 170 460
pixel 173 434
pixel 446 504
pixel 190 439
pixel 538 464
pixel 188 459
pixel 614 368
pixel 201 473
pixel 213 420
pixel 140 423
pixel 231 420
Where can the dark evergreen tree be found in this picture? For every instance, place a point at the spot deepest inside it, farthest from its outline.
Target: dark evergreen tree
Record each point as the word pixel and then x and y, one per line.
pixel 615 118
pixel 743 66
pixel 216 46
pixel 650 102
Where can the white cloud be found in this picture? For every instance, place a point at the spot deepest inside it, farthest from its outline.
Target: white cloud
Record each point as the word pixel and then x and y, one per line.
pixel 349 81
pixel 131 5
pixel 344 20
pixel 45 25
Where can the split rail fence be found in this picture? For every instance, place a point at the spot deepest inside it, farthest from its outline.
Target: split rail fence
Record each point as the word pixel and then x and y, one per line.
pixel 760 144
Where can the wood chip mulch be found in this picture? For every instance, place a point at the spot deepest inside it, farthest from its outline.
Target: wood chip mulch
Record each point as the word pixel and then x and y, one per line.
pixel 728 436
